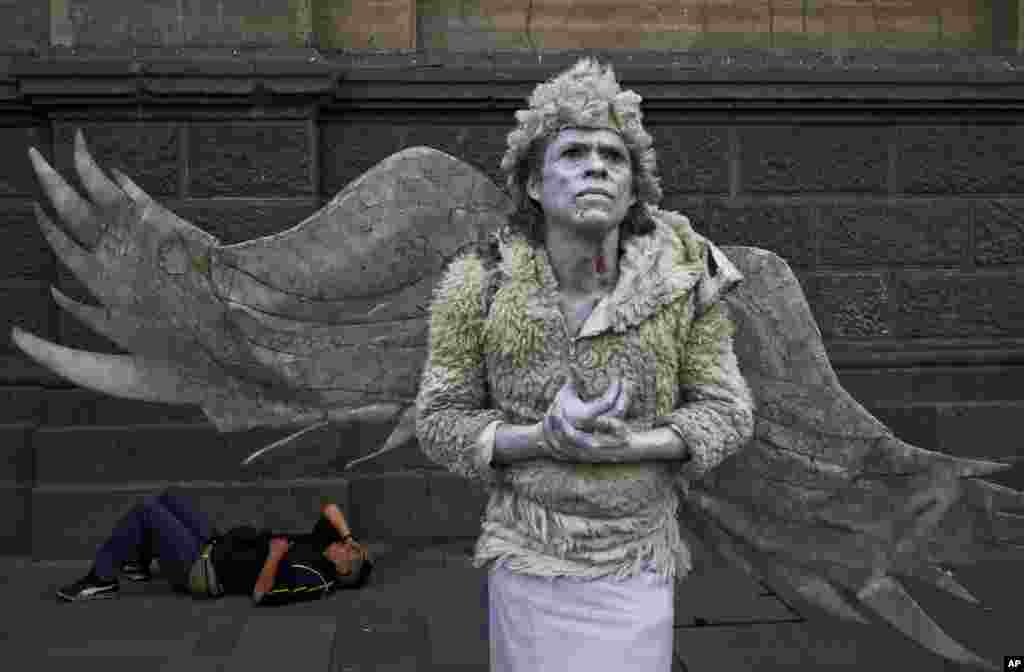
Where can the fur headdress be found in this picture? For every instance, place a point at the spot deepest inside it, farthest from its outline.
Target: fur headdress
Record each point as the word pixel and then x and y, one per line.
pixel 586 95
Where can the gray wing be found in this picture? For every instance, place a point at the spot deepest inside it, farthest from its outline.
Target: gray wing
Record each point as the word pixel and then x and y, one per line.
pixel 324 322
pixel 825 503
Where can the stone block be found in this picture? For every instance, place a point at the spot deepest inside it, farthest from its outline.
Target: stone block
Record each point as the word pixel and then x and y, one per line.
pixel 73 523
pixel 27 304
pixel 955 304
pixel 724 596
pixel 16 523
pixel 382 24
pixel 916 424
pixel 352 148
pixel 456 505
pixel 167 23
pixel 960 159
pixel 143 453
pixel 24 26
pixel 786 229
pixel 981 429
pixel 17 476
pixel 25 254
pixel 696 209
pixel 910 385
pixel 391 506
pixel 813 159
pixel 80 406
pixel 237 220
pixel 848 304
pixel 896 233
pixel 998 232
pixel 146 151
pixel 251 160
pixel 23 404
pixel 18 179
pixel 17 465
pixel 692 158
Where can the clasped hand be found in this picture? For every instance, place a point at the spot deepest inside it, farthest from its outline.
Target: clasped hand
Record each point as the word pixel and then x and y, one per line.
pixel 574 430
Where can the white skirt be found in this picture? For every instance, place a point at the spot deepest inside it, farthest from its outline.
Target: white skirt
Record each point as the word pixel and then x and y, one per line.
pixel 540 624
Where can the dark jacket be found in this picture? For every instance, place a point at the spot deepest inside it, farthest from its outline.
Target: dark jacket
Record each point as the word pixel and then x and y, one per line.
pixel 304 573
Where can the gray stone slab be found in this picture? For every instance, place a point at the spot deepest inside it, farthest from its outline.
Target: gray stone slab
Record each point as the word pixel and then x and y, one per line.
pixel 279 641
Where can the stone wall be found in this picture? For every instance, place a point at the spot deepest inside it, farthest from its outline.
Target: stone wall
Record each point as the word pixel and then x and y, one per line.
pixel 891 182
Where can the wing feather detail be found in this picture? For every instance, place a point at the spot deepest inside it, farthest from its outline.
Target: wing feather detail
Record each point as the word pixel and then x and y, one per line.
pixel 323 322
pixel 825 502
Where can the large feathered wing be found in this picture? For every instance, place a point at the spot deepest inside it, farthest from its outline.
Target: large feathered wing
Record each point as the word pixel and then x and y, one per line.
pixel 825 502
pixel 324 322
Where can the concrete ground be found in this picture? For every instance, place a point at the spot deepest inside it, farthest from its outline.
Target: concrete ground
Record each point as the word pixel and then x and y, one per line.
pixel 424 611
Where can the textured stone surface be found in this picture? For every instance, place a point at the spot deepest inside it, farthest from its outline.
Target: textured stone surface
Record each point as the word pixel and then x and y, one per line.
pixel 23 403
pixel 813 158
pixel 390 506
pixel 109 23
pixel 251 160
pixel 848 304
pixel 79 406
pixel 24 253
pixel 954 304
pixel 991 429
pixel 455 506
pixel 27 304
pixel 352 147
pixel 381 24
pixel 935 232
pixel 692 158
pixel 24 26
pixel 17 179
pixel 140 453
pixel 960 159
pixel 146 151
pixel 933 384
pixel 17 476
pixel 661 24
pixel 788 230
pixel 998 232
pixel 17 466
pixel 912 423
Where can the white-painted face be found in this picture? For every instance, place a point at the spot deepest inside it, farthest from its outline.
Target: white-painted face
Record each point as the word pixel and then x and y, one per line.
pixel 580 164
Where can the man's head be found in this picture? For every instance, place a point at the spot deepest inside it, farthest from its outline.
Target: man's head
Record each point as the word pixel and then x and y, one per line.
pixel 583 98
pixel 351 561
pixel 585 182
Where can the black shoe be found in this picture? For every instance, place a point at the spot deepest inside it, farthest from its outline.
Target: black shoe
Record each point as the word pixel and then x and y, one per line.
pixel 136 571
pixel 89 587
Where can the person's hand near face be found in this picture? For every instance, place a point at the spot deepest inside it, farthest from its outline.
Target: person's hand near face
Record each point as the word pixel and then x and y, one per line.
pixel 344 555
pixel 586 182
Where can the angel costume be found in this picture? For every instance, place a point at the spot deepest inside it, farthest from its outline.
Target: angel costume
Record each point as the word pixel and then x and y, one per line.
pixel 791 480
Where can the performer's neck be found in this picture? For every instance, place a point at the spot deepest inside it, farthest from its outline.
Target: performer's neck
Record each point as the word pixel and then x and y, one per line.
pixel 583 265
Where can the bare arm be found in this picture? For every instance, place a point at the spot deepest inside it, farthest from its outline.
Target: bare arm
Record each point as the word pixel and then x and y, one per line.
pixel 265 581
pixel 333 514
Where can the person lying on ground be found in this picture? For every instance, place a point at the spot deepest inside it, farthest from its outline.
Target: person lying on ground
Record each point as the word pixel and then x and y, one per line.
pixel 196 558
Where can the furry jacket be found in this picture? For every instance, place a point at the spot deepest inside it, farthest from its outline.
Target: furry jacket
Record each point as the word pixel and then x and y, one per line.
pixel 499 352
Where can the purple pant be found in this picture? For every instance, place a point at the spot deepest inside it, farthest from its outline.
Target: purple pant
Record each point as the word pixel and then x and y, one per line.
pixel 165 526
